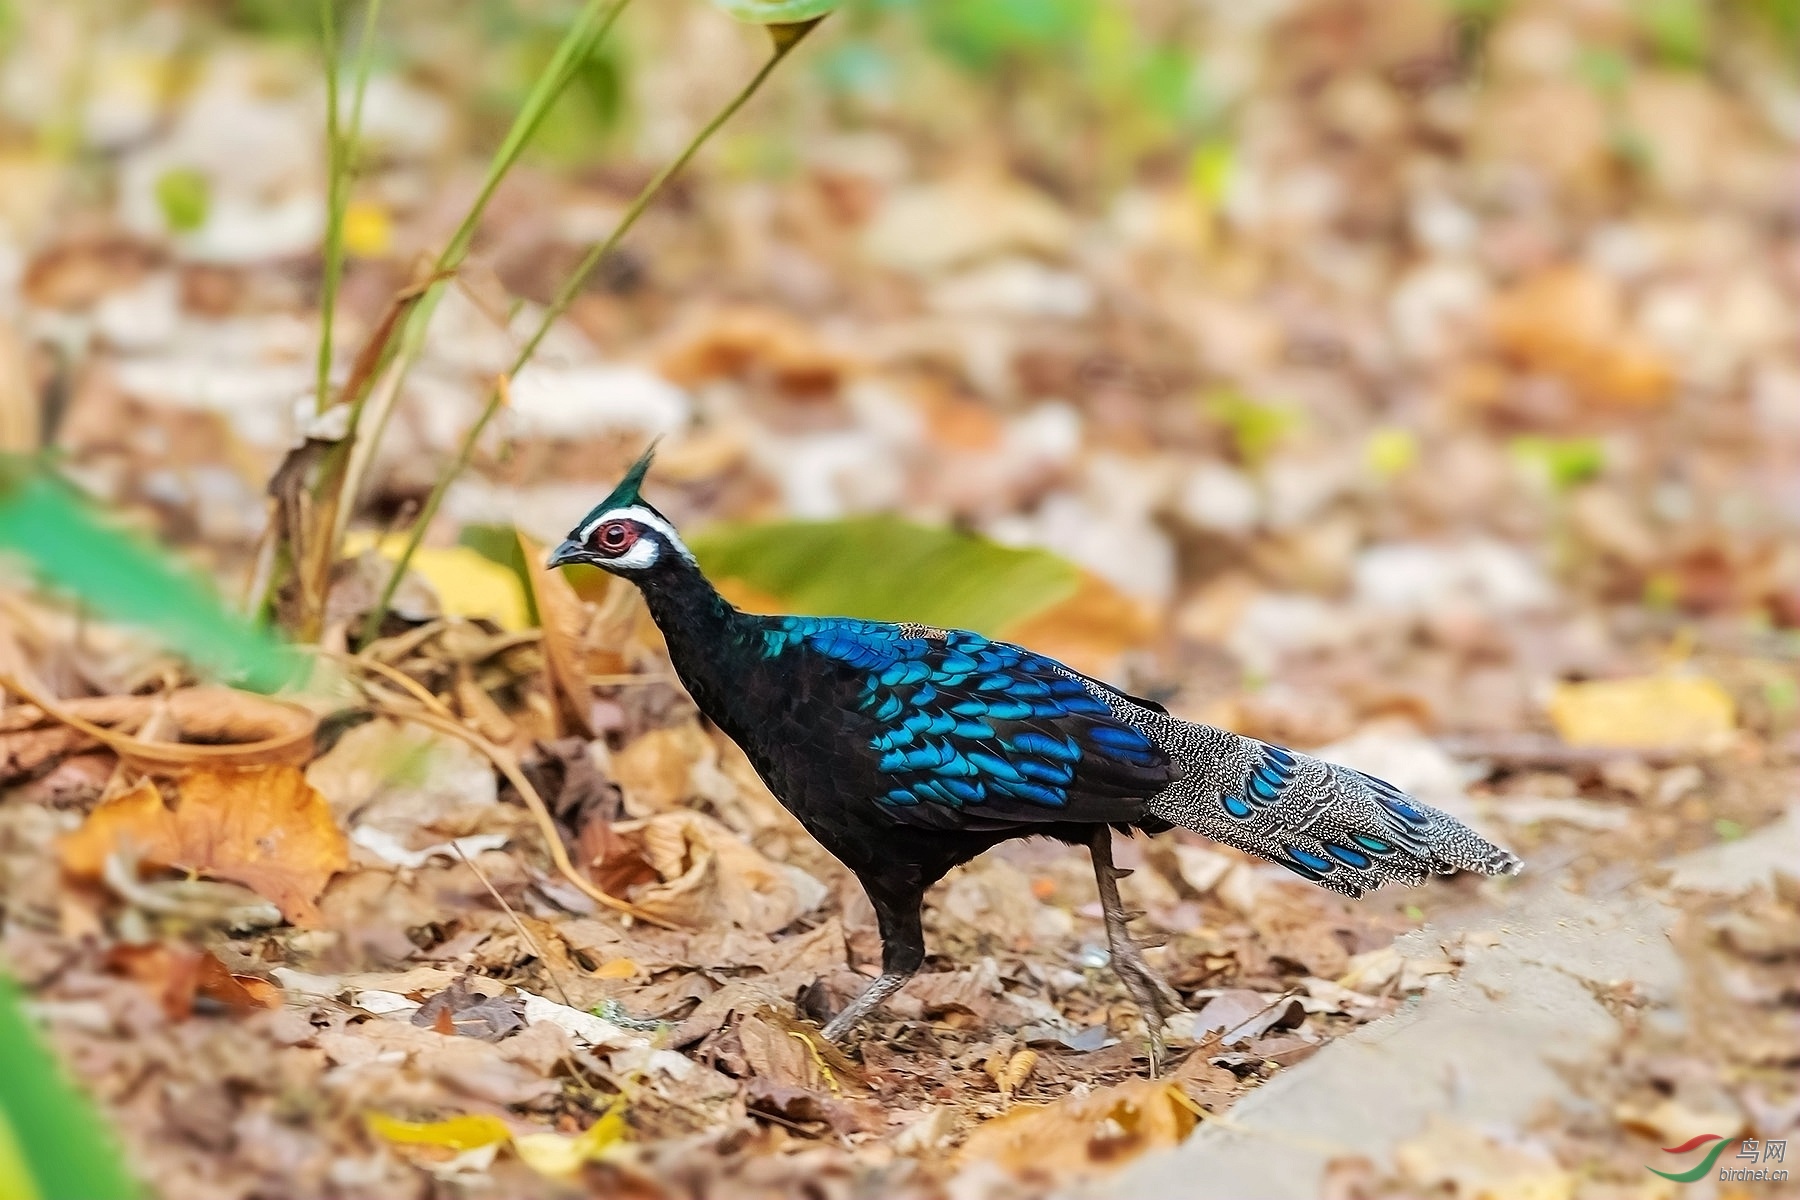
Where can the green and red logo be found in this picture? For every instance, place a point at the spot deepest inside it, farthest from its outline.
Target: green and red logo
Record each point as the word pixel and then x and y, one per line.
pixel 1703 1166
pixel 1753 1170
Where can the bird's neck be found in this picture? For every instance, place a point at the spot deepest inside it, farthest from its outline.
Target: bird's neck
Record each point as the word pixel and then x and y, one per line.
pixel 709 640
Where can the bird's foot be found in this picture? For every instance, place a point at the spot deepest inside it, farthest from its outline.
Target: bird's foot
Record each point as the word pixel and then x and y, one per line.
pixel 871 998
pixel 1155 1000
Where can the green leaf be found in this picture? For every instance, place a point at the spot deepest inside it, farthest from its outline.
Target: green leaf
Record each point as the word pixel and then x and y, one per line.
pixel 184 195
pixel 1679 30
pixel 777 12
pixel 126 579
pixel 887 569
pixel 980 35
pixel 1564 462
pixel 1256 428
pixel 52 1145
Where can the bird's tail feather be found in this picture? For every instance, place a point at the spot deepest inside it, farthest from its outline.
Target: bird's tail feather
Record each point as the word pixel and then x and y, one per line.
pixel 1332 825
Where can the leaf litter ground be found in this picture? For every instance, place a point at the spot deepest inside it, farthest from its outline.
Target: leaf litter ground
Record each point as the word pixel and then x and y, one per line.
pixel 1457 438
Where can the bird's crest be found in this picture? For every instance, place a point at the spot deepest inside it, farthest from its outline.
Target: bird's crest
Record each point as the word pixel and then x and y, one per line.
pixel 626 493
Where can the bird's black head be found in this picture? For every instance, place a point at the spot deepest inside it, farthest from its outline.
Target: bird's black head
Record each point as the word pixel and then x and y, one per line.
pixel 623 534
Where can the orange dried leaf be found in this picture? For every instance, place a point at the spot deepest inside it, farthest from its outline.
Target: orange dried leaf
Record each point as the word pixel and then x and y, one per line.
pixel 263 827
pixel 1570 321
pixel 170 973
pixel 1099 1131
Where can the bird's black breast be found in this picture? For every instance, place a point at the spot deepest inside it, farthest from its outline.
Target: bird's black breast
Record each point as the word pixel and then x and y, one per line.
pixel 867 730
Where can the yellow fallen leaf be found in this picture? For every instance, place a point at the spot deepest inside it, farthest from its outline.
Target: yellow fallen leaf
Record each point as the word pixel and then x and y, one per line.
pixel 618 968
pixel 456 1133
pixel 263 827
pixel 1102 1130
pixel 368 230
pixel 1658 711
pixel 557 1154
pixel 1391 450
pixel 467 584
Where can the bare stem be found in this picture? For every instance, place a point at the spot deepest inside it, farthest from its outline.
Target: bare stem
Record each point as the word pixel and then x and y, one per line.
pixel 392 349
pixel 341 145
pixel 564 297
pixel 335 190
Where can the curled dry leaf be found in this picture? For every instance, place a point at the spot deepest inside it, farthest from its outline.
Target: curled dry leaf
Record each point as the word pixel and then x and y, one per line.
pixel 1099 1131
pixel 710 875
pixel 263 827
pixel 201 726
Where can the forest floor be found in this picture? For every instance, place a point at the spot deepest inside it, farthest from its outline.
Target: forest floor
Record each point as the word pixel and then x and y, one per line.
pixel 1450 430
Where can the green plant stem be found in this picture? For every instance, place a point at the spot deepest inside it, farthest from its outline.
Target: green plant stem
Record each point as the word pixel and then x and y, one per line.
pixel 564 297
pixel 338 477
pixel 335 189
pixel 341 149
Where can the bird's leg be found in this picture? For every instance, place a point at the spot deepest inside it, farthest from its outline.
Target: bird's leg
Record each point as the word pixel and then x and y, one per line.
pixel 866 1002
pixel 902 954
pixel 1155 998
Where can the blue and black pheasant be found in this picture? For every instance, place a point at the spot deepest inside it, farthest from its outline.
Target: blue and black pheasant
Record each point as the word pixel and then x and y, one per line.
pixel 907 750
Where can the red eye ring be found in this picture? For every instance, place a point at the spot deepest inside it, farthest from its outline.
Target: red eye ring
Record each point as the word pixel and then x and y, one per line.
pixel 615 537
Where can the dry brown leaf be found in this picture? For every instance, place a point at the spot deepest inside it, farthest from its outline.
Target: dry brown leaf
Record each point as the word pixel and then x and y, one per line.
pixel 751 342
pixel 176 975
pixel 1570 321
pixel 560 618
pixel 656 770
pixel 973 990
pixel 615 864
pixel 1100 1131
pixel 201 726
pixel 710 875
pixel 1011 1075
pixel 263 827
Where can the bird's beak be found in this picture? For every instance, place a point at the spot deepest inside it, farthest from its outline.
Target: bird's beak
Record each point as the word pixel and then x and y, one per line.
pixel 571 551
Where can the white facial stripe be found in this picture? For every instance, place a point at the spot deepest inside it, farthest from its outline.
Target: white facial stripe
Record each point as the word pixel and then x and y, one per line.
pixel 648 519
pixel 643 553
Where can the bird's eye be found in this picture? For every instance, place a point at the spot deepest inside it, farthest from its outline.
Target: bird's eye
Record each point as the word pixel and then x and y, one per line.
pixel 615 537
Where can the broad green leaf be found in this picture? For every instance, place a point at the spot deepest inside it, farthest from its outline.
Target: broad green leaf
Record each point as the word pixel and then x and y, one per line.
pixel 887 569
pixel 129 580
pixel 777 12
pixel 52 1145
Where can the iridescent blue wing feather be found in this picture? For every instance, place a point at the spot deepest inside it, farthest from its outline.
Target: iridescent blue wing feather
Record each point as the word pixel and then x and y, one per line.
pixel 971 733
